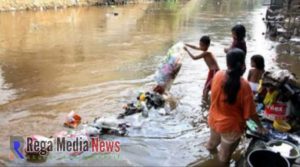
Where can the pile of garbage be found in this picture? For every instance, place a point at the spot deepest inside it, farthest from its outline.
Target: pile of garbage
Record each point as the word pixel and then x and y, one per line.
pixel 278 105
pixel 154 100
pixel 145 102
pixel 279 96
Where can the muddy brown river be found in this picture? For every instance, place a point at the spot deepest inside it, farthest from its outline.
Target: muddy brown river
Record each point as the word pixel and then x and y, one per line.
pixel 93 60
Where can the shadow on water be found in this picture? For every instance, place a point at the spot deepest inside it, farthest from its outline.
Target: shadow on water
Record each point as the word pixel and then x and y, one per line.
pixel 93 62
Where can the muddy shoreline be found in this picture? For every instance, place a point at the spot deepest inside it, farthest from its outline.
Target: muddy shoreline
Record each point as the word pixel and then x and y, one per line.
pixel 40 5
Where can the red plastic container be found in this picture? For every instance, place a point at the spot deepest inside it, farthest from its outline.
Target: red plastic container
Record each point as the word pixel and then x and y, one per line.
pixel 276 111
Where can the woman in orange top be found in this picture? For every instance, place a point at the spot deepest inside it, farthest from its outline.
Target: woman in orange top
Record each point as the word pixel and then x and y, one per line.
pixel 231 105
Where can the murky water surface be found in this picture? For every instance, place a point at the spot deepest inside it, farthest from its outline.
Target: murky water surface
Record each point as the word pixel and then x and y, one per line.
pixel 93 62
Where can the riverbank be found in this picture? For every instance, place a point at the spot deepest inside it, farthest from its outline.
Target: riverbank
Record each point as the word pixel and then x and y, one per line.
pixel 14 5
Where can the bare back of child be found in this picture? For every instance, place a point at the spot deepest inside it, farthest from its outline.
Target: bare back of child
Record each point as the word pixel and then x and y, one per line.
pixel 255 74
pixel 210 61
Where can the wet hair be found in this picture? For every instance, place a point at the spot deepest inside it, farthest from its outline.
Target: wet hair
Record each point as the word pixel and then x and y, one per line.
pixel 205 40
pixel 235 59
pixel 259 62
pixel 240 31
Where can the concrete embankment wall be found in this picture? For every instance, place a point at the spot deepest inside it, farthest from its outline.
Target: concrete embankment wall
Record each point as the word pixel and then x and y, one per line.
pixel 11 5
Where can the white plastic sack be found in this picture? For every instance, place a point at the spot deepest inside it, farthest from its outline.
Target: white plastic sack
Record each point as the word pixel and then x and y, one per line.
pixel 170 66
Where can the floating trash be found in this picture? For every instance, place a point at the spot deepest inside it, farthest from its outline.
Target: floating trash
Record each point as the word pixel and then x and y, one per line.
pixel 72 120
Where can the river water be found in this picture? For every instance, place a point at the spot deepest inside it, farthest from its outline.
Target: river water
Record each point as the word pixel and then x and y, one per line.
pixel 94 60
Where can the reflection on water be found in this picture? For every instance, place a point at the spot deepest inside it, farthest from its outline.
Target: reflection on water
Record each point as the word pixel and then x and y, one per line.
pixel 47 52
pixel 6 92
pixel 93 61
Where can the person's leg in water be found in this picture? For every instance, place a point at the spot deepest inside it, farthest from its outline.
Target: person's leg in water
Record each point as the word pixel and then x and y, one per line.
pixel 205 104
pixel 205 94
pixel 213 142
pixel 229 142
pixel 208 82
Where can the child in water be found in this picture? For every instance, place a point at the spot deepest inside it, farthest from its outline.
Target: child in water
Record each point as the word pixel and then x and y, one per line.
pixel 238 35
pixel 209 60
pixel 255 74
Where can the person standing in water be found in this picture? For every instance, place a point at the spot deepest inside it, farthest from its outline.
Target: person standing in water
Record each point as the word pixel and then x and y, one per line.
pixel 231 105
pixel 209 59
pixel 238 34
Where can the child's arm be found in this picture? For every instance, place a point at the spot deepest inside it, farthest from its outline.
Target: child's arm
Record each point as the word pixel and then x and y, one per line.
pixel 195 57
pixel 192 46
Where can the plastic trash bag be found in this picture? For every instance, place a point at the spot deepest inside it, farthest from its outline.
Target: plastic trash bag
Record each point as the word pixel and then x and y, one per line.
pixel 91 130
pixel 72 120
pixel 137 121
pixel 111 126
pixel 145 102
pixel 132 108
pixel 170 66
pixel 277 77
